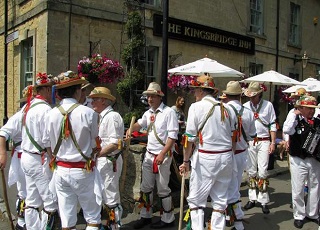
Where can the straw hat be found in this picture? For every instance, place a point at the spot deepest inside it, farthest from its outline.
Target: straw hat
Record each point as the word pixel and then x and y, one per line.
pixel 67 79
pixel 43 79
pixel 298 93
pixel 102 92
pixel 87 85
pixel 253 89
pixel 307 101
pixel 26 92
pixel 206 82
pixel 153 89
pixel 233 88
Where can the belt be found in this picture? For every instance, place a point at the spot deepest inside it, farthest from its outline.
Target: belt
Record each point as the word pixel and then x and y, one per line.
pixel 239 151
pixel 19 154
pixel 263 138
pixel 214 152
pixel 66 164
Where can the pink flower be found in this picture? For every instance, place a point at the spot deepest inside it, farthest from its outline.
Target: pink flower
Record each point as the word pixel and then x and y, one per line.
pixel 100 69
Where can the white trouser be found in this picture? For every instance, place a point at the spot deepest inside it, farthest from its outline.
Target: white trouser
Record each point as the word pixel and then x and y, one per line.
pixel 258 160
pixel 302 170
pixel 162 179
pixel 38 193
pixel 210 176
pixel 16 175
pixel 111 194
pixel 75 185
pixel 239 165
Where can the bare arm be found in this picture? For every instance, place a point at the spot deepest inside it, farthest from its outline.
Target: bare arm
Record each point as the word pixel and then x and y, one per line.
pixel 3 152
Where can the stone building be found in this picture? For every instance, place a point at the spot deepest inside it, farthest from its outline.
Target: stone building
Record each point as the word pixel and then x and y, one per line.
pixel 251 36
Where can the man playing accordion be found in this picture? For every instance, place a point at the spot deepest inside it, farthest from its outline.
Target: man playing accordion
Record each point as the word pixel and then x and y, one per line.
pixel 304 131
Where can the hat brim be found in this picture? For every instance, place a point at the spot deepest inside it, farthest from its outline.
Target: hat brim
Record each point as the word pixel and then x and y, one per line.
pixel 309 106
pixel 249 93
pixel 44 85
pixel 71 83
pixel 103 95
pixel 231 93
pixel 153 92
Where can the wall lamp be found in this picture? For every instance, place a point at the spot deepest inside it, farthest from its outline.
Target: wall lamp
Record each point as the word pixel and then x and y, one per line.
pixel 304 59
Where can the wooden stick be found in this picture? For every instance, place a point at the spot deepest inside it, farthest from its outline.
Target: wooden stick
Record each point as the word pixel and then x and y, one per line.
pixel 124 156
pixel 181 201
pixel 5 197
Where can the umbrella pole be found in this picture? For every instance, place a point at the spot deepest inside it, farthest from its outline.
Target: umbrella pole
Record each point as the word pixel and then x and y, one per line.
pixel 270 91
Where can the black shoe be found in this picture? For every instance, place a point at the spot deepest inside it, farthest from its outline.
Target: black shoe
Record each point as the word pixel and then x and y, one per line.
pixel 161 224
pixel 18 227
pixel 249 205
pixel 265 209
pixel 317 221
pixel 141 223
pixel 298 223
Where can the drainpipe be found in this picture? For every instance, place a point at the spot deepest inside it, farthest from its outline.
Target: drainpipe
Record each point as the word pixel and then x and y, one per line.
pixel 5 64
pixel 276 96
pixel 69 41
pixel 164 69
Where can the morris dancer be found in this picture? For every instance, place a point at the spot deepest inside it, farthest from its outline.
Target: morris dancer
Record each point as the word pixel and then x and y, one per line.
pixel 13 130
pixel 109 161
pixel 35 160
pixel 210 127
pixel 71 133
pixel 303 167
pixel 246 131
pixel 261 147
pixel 162 126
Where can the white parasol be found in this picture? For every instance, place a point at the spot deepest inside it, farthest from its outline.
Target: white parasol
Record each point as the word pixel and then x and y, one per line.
pixel 272 77
pixel 203 66
pixel 310 85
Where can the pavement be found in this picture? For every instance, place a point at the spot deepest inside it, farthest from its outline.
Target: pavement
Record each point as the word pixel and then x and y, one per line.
pixel 280 167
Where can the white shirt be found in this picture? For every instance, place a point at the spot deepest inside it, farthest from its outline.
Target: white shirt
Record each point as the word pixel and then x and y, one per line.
pixel 13 129
pixel 166 125
pixel 111 128
pixel 216 134
pixel 84 123
pixel 247 124
pixel 35 121
pixel 266 115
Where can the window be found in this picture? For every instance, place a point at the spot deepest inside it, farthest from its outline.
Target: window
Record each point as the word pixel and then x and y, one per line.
pixel 151 61
pixel 294 30
pixel 27 63
pixel 256 17
pixel 255 69
pixel 151 2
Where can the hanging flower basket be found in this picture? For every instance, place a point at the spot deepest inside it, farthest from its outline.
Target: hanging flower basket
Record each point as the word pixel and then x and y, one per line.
pixel 180 82
pixel 100 69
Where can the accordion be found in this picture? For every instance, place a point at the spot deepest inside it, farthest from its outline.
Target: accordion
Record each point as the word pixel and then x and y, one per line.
pixel 311 146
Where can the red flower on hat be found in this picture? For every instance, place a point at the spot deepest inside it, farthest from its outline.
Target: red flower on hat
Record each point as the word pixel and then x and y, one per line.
pixel 43 78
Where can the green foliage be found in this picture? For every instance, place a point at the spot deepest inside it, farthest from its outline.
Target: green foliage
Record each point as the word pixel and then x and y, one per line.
pixel 131 55
pixel 138 112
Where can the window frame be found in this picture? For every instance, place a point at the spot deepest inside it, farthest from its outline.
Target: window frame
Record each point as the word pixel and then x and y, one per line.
pixel 294 37
pixel 259 17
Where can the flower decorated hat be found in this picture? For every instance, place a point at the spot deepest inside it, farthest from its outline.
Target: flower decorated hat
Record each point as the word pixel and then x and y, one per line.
pixel 43 79
pixel 27 92
pixel 307 101
pixel 205 82
pixel 102 92
pixel 67 79
pixel 233 88
pixel 153 89
pixel 253 89
pixel 298 93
